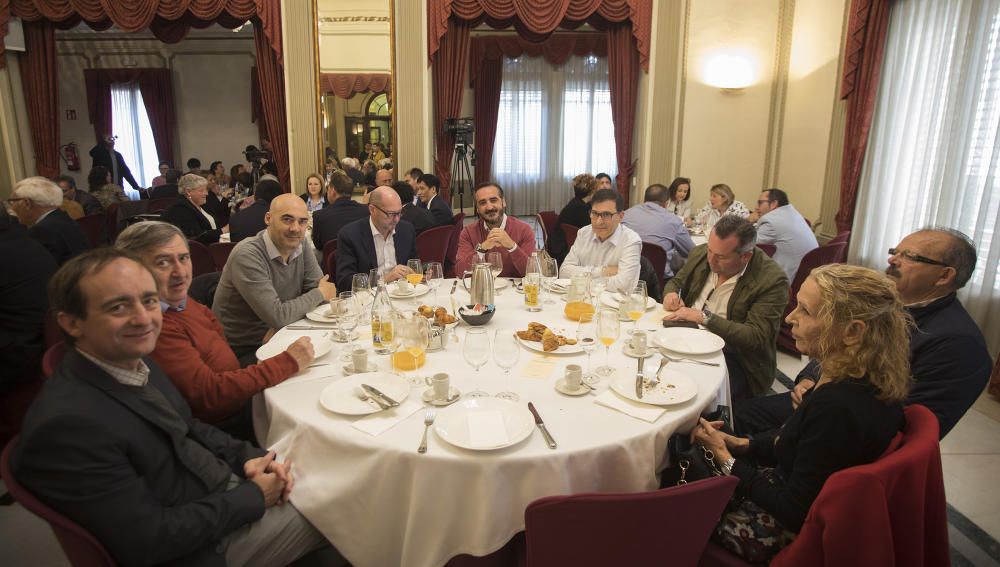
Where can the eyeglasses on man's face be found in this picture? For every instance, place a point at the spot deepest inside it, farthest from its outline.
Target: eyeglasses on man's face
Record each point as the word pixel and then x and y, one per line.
pixel 390 214
pixel 604 216
pixel 913 257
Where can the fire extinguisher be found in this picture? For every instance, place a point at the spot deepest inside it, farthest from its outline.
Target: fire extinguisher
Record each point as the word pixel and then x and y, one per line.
pixel 70 156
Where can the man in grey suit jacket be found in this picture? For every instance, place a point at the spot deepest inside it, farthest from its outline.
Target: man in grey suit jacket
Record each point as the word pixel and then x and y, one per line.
pixel 111 444
pixel 781 225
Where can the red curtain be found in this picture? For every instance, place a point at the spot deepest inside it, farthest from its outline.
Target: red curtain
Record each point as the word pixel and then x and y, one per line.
pixel 157 91
pixel 40 87
pixel 623 82
pixel 449 63
pixel 486 75
pixel 271 83
pixel 537 19
pixel 346 85
pixel 864 48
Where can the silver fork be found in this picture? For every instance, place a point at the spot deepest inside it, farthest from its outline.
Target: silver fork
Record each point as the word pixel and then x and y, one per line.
pixel 428 421
pixel 691 360
pixel 656 377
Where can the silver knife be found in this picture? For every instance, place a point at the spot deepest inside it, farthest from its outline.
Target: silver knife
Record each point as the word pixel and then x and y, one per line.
pixel 541 426
pixel 454 286
pixel 375 392
pixel 638 378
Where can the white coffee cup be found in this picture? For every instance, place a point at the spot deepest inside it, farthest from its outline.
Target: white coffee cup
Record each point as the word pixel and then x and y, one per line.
pixel 638 342
pixel 574 376
pixel 402 286
pixel 359 357
pixel 441 383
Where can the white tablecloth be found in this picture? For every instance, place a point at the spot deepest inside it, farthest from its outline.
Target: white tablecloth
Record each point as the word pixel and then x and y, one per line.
pixel 382 503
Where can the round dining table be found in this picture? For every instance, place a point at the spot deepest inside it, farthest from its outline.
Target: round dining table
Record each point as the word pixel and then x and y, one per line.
pixel 380 502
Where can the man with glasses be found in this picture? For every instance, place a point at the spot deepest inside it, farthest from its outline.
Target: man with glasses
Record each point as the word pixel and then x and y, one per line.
pixel 36 203
pixel 781 225
pixel 382 241
pixel 606 243
pixel 948 357
pixel 270 280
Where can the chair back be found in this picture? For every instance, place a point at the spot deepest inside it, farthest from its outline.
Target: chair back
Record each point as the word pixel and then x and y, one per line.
pixel 656 256
pixel 664 527
pixel 330 263
pixel 202 288
pixel 329 250
pixel 53 357
pixel 547 222
pixel 111 218
pixel 890 512
pixel 768 249
pixel 80 546
pixel 160 204
pixel 433 243
pixel 220 252
pixel 201 259
pixel 93 226
pixel 570 232
pixel 829 253
pixel 450 257
pixel 458 220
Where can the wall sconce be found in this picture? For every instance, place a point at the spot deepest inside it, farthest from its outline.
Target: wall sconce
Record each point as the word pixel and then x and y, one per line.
pixel 358 129
pixel 730 72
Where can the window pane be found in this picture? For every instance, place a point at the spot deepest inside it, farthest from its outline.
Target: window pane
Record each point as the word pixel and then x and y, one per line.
pixel 135 135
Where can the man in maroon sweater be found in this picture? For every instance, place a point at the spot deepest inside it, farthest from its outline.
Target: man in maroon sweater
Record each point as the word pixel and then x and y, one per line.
pixel 191 348
pixel 495 231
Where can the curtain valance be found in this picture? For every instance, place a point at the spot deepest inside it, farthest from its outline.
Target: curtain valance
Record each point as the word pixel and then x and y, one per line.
pixel 346 85
pixel 556 50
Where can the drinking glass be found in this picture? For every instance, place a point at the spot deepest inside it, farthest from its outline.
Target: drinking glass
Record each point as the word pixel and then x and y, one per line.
pixel 550 271
pixel 586 337
pixel 506 351
pixel 361 288
pixel 348 311
pixel 634 304
pixel 495 260
pixel 476 351
pixel 391 340
pixel 607 334
pixel 433 275
pixel 414 334
pixel 598 283
pixel 532 285
pixel 418 271
pixel 382 332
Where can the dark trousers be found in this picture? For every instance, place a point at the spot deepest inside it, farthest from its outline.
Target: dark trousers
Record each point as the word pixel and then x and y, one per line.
pixel 756 415
pixel 739 389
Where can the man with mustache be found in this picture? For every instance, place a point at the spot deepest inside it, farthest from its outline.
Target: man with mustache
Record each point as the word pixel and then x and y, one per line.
pixel 495 232
pixel 192 349
pixel 948 356
pixel 270 280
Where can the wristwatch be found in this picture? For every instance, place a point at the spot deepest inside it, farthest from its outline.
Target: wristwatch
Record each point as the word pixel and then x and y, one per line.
pixel 727 466
pixel 706 316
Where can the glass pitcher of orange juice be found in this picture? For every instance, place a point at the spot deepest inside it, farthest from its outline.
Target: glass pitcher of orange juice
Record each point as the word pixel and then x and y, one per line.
pixel 578 298
pixel 413 334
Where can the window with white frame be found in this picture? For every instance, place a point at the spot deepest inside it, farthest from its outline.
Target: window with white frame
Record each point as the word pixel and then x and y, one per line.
pixel 135 142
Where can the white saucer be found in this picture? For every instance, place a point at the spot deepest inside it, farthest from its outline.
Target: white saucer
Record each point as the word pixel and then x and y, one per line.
pixel 349 369
pixel 627 351
pixel 453 396
pixel 563 389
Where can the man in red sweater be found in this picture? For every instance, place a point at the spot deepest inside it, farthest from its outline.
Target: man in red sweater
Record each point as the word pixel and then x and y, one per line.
pixel 495 231
pixel 191 348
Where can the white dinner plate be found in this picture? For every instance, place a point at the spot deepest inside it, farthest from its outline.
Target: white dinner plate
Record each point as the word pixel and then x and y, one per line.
pixel 673 388
pixel 456 424
pixel 340 396
pixel 565 349
pixel 559 285
pixel 321 344
pixel 498 283
pixel 613 299
pixel 322 314
pixel 688 341
pixel 416 291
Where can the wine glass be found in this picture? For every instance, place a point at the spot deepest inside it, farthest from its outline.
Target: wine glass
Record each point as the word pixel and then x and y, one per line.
pixel 634 304
pixel 348 312
pixel 476 351
pixel 361 288
pixel 607 334
pixel 598 283
pixel 586 337
pixel 433 275
pixel 506 352
pixel 550 271
pixel 418 271
pixel 495 260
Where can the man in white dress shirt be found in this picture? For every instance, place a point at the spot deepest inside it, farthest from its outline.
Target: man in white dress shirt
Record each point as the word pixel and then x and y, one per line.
pixel 781 225
pixel 606 243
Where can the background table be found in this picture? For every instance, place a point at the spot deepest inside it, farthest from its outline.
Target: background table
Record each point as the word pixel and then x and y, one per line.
pixel 382 503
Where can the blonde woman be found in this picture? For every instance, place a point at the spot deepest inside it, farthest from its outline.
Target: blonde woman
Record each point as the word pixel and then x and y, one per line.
pixel 721 201
pixel 852 321
pixel 314 196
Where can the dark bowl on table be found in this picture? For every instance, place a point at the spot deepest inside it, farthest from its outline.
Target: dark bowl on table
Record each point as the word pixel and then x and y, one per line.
pixel 476 319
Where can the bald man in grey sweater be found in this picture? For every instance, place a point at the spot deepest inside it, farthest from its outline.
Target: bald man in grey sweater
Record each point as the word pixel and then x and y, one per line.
pixel 270 280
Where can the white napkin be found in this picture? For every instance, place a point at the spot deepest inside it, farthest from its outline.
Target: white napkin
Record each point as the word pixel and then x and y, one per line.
pixel 487 429
pixel 380 422
pixel 637 410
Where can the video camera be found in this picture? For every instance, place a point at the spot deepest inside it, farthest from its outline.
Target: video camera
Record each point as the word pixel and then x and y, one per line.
pixel 460 128
pixel 254 155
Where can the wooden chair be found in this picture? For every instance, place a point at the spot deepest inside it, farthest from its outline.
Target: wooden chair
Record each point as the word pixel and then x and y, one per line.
pixel 201 259
pixel 658 257
pixel 93 226
pixel 433 243
pixel 570 232
pixel 220 253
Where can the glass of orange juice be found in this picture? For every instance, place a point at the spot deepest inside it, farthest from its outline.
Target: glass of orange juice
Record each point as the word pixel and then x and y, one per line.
pixel 418 271
pixel 607 333
pixel 413 334
pixel 634 304
pixel 532 286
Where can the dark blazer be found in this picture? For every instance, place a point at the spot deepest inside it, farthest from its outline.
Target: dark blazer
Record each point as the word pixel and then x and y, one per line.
pixel 322 199
pixel 440 210
pixel 185 216
pixel 60 235
pixel 90 204
pixel 87 451
pixel 166 190
pixel 356 249
pixel 328 222
pixel 249 221
pixel 218 207
pixel 421 219
pixel 103 156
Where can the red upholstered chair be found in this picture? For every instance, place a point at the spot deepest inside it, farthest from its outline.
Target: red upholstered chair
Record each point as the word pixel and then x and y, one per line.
pixel 433 243
pixel 93 227
pixel 53 356
pixel 201 259
pixel 458 220
pixel 829 253
pixel 160 204
pixel 449 259
pixel 330 263
pixel 328 250
pixel 547 221
pixel 79 545
pixel 570 232
pixel 656 256
pixel 220 252
pixel 664 527
pixel 768 249
pixel 111 218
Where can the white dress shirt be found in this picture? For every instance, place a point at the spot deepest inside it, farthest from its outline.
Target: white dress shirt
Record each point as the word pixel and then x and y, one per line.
pixel 385 249
pixel 623 249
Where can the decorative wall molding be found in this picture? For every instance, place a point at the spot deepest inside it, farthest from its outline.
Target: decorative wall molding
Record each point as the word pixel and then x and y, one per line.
pixel 835 148
pixel 779 92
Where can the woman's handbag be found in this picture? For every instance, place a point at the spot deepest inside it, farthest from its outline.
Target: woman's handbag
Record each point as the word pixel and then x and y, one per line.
pixel 691 461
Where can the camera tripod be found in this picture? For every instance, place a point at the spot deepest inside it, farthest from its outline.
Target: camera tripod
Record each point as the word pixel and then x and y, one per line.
pixel 461 173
